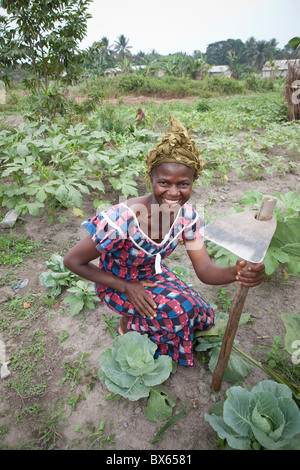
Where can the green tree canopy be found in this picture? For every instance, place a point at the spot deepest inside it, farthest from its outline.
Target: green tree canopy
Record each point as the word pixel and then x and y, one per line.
pixel 217 52
pixel 43 38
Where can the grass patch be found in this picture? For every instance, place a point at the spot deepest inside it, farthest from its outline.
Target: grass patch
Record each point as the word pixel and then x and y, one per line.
pixel 13 249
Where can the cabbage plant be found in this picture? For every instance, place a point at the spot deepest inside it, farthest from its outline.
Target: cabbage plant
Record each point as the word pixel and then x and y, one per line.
pixel 130 369
pixel 266 416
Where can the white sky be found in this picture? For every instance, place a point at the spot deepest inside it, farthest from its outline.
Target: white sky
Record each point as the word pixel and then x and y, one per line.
pixel 170 26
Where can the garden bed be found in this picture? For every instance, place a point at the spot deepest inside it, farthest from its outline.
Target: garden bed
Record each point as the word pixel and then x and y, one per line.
pixel 53 397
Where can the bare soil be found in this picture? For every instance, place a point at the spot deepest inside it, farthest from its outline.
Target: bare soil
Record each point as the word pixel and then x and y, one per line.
pixel 126 427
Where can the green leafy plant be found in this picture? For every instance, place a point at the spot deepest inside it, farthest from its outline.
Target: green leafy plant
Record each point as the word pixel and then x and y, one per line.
pixel 183 273
pixel 58 277
pixel 83 297
pixel 130 370
pixel 223 299
pixel 277 369
pixel 292 325
pixel 266 416
pixel 211 341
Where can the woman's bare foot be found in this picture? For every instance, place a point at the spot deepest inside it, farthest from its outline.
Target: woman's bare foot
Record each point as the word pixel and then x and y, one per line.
pixel 123 325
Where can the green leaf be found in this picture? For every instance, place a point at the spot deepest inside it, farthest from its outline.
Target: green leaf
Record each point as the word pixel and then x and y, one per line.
pixel 162 370
pixel 252 197
pixel 294 42
pixel 277 389
pixel 56 263
pixel 34 208
pixel 292 249
pixel 236 410
pixel 113 370
pixel 22 150
pixel 133 393
pixel 170 423
pixel 160 404
pixel 75 196
pixel 292 326
pixel 294 266
pixel 278 254
pixel 41 195
pixel 222 256
pixel 76 305
pixel 271 263
pixel 287 232
pixel 234 439
pixel 130 361
pixel 62 193
pixel 46 279
pixel 182 272
pixel 220 325
pixel 237 369
pixel 266 415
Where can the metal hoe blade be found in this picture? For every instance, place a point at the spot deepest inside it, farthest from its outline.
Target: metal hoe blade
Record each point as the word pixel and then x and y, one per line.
pixel 242 234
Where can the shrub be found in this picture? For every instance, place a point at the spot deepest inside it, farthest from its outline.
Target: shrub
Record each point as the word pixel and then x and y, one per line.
pixel 202 106
pixel 254 83
pixel 131 83
pixel 223 85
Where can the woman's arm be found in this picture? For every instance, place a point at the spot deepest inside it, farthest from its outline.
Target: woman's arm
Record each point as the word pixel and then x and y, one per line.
pixel 209 273
pixel 79 261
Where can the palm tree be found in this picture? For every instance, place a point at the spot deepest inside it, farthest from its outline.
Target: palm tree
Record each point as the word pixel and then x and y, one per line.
pixel 250 50
pixel 121 46
pixel 262 53
pixel 105 51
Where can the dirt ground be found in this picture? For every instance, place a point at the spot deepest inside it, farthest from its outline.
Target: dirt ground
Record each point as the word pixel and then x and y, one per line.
pixel 126 427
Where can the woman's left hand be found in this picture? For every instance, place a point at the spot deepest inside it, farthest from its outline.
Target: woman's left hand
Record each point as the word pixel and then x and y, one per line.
pixel 252 276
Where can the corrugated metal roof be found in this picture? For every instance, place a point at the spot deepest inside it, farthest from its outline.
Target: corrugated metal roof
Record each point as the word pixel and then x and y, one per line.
pixel 280 64
pixel 219 68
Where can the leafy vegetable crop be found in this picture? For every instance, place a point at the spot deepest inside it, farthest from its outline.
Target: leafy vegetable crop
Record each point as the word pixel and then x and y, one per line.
pixel 211 340
pixel 83 297
pixel 130 370
pixel 58 277
pixel 266 416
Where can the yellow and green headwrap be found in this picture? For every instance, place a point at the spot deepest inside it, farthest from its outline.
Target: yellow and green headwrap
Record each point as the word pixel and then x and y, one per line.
pixel 176 146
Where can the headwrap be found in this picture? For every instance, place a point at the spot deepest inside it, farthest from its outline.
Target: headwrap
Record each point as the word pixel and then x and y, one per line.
pixel 176 147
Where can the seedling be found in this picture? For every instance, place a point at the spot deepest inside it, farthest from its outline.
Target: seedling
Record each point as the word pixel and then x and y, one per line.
pixel 83 298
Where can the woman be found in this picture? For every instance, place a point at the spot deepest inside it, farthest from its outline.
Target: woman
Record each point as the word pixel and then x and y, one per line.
pixel 131 239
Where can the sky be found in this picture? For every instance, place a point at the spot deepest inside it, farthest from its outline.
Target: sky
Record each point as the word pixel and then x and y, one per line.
pixel 170 26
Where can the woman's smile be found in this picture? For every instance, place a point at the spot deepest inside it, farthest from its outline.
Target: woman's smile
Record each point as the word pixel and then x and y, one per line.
pixel 171 202
pixel 172 184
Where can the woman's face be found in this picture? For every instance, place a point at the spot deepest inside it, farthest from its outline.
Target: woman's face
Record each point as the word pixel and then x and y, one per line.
pixel 171 184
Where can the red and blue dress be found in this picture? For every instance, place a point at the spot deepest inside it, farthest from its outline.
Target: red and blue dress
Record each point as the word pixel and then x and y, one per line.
pixel 128 253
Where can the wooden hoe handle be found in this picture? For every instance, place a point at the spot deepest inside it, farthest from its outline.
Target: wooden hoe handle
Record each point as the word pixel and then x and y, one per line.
pixel 265 212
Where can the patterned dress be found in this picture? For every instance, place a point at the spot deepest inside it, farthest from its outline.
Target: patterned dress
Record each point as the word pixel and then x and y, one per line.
pixel 128 253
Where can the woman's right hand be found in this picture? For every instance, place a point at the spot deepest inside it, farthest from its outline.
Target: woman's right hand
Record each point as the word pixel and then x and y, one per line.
pixel 140 298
